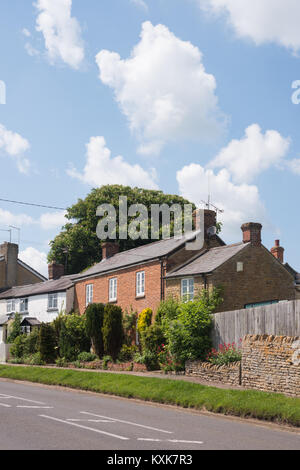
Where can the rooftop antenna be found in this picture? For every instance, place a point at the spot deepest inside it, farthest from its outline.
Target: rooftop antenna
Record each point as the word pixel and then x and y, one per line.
pixel 19 233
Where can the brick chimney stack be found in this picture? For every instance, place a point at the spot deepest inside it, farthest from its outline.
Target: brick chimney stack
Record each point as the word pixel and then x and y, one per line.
pixel 278 251
pixel 252 233
pixel 55 271
pixel 10 252
pixel 109 249
pixel 210 220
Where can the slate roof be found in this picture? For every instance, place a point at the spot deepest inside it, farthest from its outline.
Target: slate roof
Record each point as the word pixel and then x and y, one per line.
pixel 138 255
pixel 208 261
pixel 4 319
pixel 55 285
pixel 31 321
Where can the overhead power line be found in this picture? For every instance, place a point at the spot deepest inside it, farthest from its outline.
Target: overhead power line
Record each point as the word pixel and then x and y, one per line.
pixel 33 205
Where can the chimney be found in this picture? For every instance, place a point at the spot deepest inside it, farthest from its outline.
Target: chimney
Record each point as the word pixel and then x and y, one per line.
pixel 252 233
pixel 278 251
pixel 210 220
pixel 109 249
pixel 55 271
pixel 10 252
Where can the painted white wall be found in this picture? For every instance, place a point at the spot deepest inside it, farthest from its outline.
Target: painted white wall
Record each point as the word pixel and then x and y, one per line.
pixel 38 307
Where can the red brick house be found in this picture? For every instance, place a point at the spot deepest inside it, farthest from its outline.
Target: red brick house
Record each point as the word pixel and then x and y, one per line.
pixel 136 278
pixel 140 278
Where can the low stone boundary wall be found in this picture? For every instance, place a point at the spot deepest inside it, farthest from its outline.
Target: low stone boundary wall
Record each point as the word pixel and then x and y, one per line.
pixel 271 363
pixel 227 374
pixel 127 366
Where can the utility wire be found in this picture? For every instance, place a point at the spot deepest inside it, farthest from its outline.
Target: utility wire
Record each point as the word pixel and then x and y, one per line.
pixel 34 205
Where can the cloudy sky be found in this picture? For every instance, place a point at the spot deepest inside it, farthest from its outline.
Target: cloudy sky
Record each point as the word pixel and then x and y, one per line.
pixel 188 96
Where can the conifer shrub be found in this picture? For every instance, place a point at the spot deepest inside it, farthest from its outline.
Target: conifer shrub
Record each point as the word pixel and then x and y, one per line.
pixel 93 326
pixel 47 343
pixel 112 330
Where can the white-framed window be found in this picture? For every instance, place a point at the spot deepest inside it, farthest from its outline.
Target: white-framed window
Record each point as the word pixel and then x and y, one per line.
pixel 187 289
pixel 89 294
pixel 113 289
pixel 11 306
pixel 52 301
pixel 140 284
pixel 24 305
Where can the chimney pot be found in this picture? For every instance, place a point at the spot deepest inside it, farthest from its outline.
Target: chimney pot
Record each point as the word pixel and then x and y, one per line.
pixel 109 249
pixel 55 270
pixel 210 220
pixel 252 233
pixel 278 251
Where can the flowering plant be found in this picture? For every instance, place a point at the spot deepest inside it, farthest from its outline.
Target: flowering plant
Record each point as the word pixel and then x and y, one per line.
pixel 227 354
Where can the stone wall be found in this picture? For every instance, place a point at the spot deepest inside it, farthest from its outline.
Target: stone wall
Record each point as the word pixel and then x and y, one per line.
pixel 271 363
pixel 230 374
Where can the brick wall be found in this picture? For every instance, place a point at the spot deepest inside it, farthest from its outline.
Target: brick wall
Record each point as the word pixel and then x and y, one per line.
pixel 174 287
pixel 272 363
pixel 227 374
pixel 263 279
pixel 126 288
pixel 25 277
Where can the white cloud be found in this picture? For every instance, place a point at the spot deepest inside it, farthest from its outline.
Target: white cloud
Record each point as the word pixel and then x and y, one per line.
pixel 26 32
pixel 62 32
pixel 31 50
pixel 35 259
pixel 163 90
pixel 7 218
pixel 241 203
pixel 15 146
pixel 253 154
pixel 140 3
pixel 101 168
pixel 263 21
pixel 294 165
pixel 52 220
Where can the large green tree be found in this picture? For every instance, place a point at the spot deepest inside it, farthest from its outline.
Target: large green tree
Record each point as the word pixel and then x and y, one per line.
pixel 78 245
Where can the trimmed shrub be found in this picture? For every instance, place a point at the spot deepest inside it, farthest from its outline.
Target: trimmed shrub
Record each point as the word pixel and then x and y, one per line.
pixel 152 338
pixel 47 343
pixel 144 320
pixel 149 359
pixel 86 357
pixel 32 342
pixel 127 353
pixel 18 348
pixel 93 327
pixel 73 339
pixel 130 326
pixel 112 330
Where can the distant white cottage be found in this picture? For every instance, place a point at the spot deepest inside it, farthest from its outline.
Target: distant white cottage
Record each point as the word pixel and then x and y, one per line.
pixel 37 303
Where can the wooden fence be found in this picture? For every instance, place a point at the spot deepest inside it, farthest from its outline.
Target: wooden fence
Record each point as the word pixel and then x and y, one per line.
pixel 282 319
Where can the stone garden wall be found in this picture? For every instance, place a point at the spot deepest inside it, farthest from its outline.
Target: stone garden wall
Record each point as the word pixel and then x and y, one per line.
pixel 230 375
pixel 271 363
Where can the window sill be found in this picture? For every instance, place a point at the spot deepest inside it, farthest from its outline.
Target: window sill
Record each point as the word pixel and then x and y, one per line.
pixel 113 301
pixel 140 296
pixel 52 310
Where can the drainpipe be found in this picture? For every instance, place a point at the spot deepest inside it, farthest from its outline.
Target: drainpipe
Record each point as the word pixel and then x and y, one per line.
pixel 162 279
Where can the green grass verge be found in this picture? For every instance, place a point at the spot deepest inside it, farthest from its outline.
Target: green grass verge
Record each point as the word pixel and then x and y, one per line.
pixel 243 403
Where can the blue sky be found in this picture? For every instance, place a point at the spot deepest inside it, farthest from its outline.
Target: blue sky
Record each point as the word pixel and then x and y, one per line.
pixel 168 94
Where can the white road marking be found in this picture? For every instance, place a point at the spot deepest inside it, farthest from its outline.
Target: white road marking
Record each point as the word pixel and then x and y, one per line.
pixel 5 405
pixel 36 407
pixel 185 442
pixel 90 420
pixel 85 427
pixel 126 422
pixel 22 399
pixel 149 440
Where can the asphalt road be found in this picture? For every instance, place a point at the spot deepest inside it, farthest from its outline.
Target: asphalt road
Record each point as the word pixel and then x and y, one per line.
pixel 34 417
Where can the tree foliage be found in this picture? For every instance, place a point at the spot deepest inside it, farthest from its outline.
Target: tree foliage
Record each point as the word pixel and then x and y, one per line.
pixel 15 328
pixel 93 327
pixel 79 238
pixel 73 338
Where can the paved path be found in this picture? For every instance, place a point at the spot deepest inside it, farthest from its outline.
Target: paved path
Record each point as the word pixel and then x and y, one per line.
pixel 39 417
